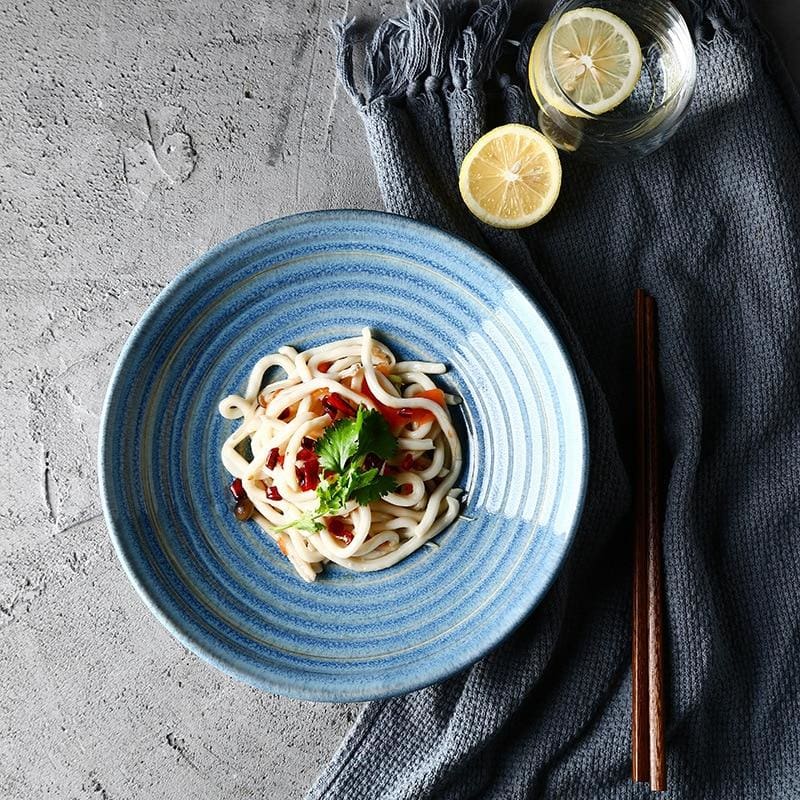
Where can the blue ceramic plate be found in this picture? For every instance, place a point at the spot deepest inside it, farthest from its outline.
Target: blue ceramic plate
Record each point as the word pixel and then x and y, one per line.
pixel 222 587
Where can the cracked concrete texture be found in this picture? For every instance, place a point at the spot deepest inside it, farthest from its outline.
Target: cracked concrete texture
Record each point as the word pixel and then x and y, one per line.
pixel 134 137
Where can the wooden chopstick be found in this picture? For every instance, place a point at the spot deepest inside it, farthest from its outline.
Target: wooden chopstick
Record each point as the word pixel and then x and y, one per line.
pixel 658 766
pixel 640 705
pixel 648 756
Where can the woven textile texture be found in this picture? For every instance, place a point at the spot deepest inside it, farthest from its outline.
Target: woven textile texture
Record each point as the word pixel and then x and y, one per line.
pixel 710 225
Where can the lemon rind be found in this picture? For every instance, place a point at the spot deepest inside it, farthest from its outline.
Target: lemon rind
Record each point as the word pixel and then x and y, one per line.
pixel 495 220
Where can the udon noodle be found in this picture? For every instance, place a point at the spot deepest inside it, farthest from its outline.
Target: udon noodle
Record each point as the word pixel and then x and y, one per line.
pixel 272 453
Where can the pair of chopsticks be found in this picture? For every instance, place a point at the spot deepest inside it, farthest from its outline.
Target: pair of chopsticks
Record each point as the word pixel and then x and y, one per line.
pixel 647 726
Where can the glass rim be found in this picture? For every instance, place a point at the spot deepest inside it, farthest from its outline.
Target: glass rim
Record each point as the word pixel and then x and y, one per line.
pixel 688 75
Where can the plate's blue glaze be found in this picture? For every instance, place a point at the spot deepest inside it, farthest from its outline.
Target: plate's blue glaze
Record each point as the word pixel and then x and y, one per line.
pixel 220 586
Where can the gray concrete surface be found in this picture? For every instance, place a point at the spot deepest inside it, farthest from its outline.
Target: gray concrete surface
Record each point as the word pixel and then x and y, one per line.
pixel 135 135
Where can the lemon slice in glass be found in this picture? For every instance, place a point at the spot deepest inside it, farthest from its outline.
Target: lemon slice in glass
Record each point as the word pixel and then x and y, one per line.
pixel 511 177
pixel 564 137
pixel 595 60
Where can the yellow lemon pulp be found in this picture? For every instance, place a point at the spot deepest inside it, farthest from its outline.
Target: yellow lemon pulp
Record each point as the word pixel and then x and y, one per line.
pixel 511 177
pixel 564 138
pixel 595 58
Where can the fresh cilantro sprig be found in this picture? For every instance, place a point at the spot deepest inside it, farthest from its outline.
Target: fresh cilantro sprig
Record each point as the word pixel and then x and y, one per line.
pixel 349 441
pixel 342 451
pixel 307 523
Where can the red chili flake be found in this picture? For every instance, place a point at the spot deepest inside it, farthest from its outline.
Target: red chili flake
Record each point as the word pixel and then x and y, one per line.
pixel 330 410
pixel 338 529
pixel 307 471
pixel 390 469
pixel 304 454
pixel 272 458
pixel 324 366
pixel 280 459
pixel 408 462
pixel 273 493
pixel 405 488
pixel 308 443
pixel 237 490
pixel 339 403
pixel 312 477
pixel 335 525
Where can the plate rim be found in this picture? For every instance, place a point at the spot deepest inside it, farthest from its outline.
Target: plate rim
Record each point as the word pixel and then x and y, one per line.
pixel 274 683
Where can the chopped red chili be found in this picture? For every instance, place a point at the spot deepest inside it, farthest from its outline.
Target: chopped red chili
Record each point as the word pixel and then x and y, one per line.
pixel 335 403
pixel 338 530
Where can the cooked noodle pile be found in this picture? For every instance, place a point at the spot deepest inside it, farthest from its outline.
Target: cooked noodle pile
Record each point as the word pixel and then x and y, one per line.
pixel 288 425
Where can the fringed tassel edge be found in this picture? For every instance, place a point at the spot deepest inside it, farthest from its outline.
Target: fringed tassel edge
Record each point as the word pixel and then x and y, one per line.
pixel 432 44
pixel 730 14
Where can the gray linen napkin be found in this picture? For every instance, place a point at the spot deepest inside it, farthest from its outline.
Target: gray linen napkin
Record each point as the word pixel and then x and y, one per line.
pixel 710 225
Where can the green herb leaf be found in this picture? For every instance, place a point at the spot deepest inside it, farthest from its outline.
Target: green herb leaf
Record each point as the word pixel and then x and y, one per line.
pixel 352 439
pixel 332 496
pixel 353 484
pixel 342 450
pixel 307 523
pixel 339 443
pixel 377 488
pixel 356 479
pixel 376 437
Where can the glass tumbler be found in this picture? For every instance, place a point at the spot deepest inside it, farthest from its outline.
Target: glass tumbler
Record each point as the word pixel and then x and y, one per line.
pixel 641 120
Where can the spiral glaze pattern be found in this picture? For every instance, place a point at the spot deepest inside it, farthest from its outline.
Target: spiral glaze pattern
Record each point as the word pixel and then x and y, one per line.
pixel 221 586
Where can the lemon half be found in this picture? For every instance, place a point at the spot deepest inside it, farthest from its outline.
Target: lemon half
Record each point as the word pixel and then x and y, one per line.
pixel 511 177
pixel 595 57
